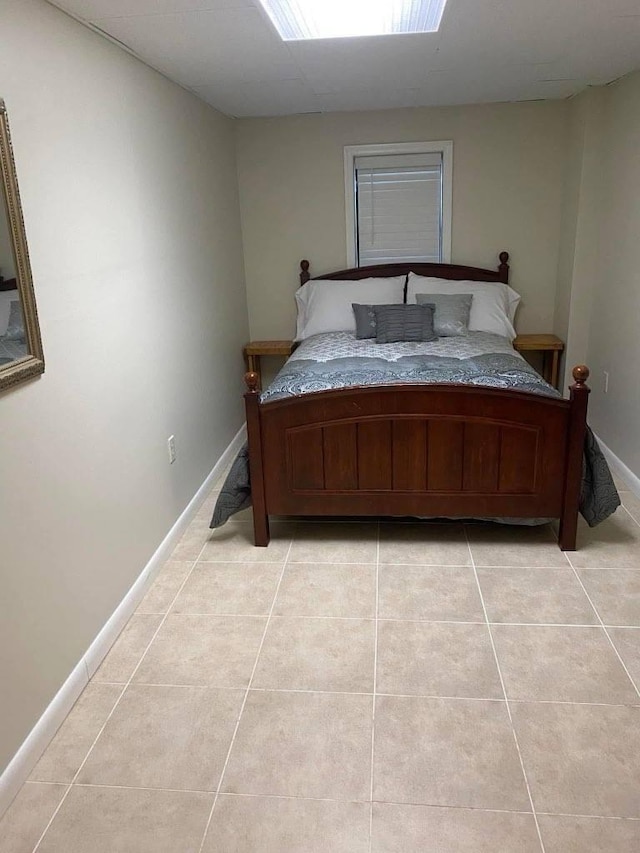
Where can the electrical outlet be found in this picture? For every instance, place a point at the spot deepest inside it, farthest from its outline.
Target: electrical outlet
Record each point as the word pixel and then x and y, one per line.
pixel 171 444
pixel 605 383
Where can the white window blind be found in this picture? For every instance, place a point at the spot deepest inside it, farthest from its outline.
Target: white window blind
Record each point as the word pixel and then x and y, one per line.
pixel 399 208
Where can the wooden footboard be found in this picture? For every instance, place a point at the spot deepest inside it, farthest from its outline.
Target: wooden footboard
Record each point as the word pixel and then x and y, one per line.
pixel 418 450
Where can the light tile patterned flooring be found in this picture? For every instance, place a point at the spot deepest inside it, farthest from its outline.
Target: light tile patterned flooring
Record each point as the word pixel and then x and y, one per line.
pixel 360 688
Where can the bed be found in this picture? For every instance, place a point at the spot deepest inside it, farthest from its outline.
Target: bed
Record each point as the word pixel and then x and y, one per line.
pixel 468 435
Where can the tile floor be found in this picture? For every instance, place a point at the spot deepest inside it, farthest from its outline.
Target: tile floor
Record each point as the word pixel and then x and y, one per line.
pixel 360 688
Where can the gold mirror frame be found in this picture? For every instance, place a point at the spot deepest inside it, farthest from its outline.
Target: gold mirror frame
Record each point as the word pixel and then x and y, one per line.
pixel 32 364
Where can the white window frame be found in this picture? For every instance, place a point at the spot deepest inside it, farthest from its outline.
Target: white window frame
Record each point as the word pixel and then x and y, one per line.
pixel 444 147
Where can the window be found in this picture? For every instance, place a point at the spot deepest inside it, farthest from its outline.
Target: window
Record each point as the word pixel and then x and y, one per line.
pixel 398 201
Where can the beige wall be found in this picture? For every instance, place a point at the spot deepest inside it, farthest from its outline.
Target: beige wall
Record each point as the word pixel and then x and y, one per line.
pixel 614 342
pixel 130 199
pixel 573 177
pixel 578 268
pixel 507 194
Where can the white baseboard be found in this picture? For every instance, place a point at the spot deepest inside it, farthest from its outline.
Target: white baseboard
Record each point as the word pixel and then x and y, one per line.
pixel 618 467
pixel 18 770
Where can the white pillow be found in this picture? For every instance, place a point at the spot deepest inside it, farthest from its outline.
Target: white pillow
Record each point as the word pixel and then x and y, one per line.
pixel 325 305
pixel 493 308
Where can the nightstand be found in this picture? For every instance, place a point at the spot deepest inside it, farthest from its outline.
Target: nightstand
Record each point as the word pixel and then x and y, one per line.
pixel 254 349
pixel 550 346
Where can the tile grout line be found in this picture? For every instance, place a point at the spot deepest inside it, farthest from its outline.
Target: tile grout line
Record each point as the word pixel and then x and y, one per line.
pixel 390 619
pixel 246 696
pixel 67 785
pixel 232 689
pixel 602 625
pixel 360 693
pixel 435 805
pixel 426 566
pixel 375 683
pixel 275 616
pixel 125 686
pixel 332 800
pixel 348 563
pixel 504 691
pixel 630 514
pixel 591 816
pixel 209 793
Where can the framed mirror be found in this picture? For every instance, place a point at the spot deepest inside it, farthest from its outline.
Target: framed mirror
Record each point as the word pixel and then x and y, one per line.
pixel 20 344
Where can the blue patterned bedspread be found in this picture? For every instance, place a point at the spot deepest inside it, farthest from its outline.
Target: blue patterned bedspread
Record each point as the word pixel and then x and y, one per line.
pixel 337 360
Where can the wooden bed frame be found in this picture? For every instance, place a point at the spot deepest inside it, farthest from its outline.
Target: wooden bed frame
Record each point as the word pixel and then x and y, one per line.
pixel 440 450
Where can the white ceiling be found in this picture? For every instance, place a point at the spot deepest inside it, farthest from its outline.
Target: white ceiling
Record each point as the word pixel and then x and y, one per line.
pixel 228 52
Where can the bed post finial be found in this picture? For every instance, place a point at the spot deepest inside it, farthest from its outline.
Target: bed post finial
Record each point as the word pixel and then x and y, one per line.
pixel 580 374
pixel 305 275
pixel 503 269
pixel 252 380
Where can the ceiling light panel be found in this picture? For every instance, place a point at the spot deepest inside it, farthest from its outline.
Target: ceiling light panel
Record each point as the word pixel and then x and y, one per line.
pixel 298 20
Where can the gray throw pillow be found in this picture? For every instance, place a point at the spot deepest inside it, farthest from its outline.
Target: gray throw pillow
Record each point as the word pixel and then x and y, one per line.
pixel 15 329
pixel 404 323
pixel 365 321
pixel 452 312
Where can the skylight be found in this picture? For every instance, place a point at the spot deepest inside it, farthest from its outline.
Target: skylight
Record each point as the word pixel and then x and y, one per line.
pixel 298 20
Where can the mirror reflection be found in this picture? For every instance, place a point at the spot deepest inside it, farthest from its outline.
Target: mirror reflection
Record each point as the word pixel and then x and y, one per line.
pixel 13 336
pixel 21 355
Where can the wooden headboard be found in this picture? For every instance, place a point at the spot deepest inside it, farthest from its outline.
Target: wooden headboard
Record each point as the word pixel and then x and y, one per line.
pixel 452 271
